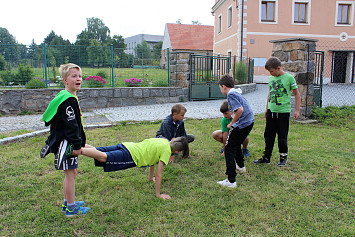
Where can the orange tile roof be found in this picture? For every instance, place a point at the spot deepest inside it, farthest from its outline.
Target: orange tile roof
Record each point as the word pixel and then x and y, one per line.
pixel 191 37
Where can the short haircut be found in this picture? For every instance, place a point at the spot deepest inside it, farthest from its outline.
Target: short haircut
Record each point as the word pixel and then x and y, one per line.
pixel 181 144
pixel 178 108
pixel 226 80
pixel 64 69
pixel 224 107
pixel 272 63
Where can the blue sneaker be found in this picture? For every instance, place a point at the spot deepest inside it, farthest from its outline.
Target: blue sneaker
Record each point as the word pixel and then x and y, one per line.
pixel 78 210
pixel 79 203
pixel 246 152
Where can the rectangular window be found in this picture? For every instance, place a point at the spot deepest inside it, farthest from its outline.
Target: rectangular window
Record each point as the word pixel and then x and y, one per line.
pixel 219 24
pixel 300 12
pixel 268 11
pixel 230 14
pixel 344 14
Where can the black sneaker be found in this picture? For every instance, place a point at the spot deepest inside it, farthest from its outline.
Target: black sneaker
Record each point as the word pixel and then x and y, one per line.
pixel 262 160
pixel 283 161
pixel 44 151
pixel 65 151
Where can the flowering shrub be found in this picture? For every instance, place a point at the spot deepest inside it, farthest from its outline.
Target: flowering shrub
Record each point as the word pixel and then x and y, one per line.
pixel 35 83
pixel 133 82
pixel 95 81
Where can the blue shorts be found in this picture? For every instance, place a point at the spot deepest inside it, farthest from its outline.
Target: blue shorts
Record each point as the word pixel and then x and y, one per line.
pixel 118 158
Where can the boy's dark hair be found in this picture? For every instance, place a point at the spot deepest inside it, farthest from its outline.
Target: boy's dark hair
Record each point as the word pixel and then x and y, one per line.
pixel 181 144
pixel 226 80
pixel 272 63
pixel 224 107
pixel 178 108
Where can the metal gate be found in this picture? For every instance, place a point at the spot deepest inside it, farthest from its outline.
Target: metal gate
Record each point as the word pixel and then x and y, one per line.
pixel 205 72
pixel 318 78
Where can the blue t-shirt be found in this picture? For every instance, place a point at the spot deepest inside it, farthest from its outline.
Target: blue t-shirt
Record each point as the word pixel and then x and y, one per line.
pixel 236 101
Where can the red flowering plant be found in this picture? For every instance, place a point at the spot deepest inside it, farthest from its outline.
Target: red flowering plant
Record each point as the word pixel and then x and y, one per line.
pixel 133 82
pixel 95 81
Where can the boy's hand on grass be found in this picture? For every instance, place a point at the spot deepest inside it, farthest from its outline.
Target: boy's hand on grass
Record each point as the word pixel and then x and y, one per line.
pixel 222 154
pixel 164 196
pixel 153 179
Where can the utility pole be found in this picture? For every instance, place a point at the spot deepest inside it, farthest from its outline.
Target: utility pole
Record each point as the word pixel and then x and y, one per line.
pixel 241 31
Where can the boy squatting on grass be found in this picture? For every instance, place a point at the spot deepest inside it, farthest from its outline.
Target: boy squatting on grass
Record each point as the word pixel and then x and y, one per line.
pixel 222 135
pixel 67 135
pixel 240 127
pixel 149 152
pixel 173 125
pixel 278 108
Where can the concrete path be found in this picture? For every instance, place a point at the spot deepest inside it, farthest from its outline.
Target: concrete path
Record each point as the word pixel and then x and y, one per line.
pixel 111 116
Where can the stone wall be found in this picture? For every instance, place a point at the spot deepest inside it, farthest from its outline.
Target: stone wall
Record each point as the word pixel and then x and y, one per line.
pixel 37 100
pixel 297 58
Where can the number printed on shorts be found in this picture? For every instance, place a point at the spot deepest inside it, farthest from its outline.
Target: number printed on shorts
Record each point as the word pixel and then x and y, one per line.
pixel 74 160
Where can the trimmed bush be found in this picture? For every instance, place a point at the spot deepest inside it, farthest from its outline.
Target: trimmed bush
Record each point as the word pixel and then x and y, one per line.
pixel 35 83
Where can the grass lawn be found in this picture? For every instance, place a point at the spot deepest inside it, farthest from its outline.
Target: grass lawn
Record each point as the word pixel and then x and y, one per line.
pixel 312 196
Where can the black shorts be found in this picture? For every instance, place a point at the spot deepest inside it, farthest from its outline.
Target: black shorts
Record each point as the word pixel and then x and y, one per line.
pixel 118 158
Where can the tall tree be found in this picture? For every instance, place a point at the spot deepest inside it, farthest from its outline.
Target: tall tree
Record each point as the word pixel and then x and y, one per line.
pixel 143 50
pixel 99 30
pixel 157 49
pixel 9 47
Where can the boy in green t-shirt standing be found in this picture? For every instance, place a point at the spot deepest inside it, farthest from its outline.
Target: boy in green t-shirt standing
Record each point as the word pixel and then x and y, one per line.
pixel 278 108
pixel 222 135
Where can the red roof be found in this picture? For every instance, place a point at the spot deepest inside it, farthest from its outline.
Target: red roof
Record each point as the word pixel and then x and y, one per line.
pixel 191 37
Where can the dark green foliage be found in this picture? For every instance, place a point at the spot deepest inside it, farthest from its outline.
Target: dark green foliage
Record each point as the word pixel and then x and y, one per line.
pixel 23 75
pixel 343 116
pixel 2 63
pixel 240 72
pixel 102 74
pixel 35 83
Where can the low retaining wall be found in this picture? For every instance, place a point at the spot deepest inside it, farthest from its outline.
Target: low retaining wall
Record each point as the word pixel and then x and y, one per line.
pixel 36 100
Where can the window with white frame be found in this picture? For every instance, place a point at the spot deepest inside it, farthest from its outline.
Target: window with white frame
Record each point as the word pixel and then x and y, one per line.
pixel 230 15
pixel 344 13
pixel 301 11
pixel 219 24
pixel 268 11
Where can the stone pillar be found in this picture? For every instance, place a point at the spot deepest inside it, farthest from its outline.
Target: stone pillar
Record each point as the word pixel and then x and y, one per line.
pixel 297 58
pixel 179 68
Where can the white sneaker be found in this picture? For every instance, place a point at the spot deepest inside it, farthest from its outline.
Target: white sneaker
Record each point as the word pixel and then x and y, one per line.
pixel 241 170
pixel 227 183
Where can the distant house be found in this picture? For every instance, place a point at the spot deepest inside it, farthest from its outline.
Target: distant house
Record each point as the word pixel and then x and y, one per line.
pixel 133 41
pixel 246 28
pixel 187 38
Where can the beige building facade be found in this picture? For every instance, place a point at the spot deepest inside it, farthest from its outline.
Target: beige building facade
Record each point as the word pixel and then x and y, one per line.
pixel 331 22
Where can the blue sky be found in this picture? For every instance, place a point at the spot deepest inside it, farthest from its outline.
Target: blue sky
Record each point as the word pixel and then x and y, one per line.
pixel 27 20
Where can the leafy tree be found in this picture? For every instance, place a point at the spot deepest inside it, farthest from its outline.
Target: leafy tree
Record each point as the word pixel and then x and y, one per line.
pixel 98 30
pixel 8 48
pixel 2 63
pixel 49 37
pixel 157 49
pixel 143 50
pixel 97 55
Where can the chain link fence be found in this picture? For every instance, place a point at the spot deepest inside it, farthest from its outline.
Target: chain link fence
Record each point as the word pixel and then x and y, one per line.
pixel 23 66
pixel 338 87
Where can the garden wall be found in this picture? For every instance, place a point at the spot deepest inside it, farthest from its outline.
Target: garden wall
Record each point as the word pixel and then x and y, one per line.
pixel 36 100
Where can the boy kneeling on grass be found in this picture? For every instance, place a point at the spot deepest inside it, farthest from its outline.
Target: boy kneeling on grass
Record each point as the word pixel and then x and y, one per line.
pixel 149 152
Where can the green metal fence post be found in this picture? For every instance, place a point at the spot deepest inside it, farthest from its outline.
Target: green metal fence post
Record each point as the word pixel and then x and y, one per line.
pixel 168 55
pixel 45 64
pixel 112 65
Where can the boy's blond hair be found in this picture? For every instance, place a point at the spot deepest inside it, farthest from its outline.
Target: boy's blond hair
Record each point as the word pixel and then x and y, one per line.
pixel 178 108
pixel 64 69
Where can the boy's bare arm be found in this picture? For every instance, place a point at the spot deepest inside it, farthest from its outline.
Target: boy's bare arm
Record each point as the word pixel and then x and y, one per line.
pixel 267 102
pixel 158 177
pixel 151 173
pixel 298 102
pixel 237 115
